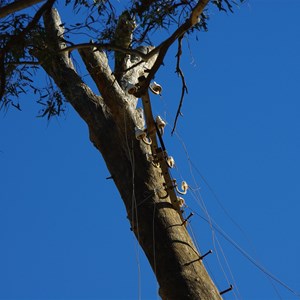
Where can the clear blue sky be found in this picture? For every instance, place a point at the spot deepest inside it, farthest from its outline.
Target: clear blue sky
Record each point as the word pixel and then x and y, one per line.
pixel 63 228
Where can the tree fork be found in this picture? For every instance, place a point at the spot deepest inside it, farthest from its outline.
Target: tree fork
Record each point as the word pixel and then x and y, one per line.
pixel 155 222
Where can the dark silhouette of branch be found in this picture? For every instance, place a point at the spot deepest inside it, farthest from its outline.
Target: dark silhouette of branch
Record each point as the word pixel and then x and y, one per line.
pixel 23 62
pixel 16 6
pixel 184 86
pixel 165 45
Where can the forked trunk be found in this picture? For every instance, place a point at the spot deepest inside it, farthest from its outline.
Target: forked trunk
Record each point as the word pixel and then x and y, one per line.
pixel 112 119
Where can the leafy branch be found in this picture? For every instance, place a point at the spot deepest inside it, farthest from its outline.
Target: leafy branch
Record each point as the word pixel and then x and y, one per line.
pixel 19 39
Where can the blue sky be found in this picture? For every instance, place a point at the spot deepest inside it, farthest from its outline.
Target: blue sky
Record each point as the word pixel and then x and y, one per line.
pixel 63 228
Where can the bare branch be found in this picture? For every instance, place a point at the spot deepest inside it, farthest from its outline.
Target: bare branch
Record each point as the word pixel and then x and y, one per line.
pixel 161 49
pixel 60 67
pixel 164 46
pixel 16 6
pixel 112 47
pixel 184 86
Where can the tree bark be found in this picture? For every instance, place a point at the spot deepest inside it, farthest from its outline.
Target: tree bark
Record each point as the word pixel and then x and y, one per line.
pixel 111 119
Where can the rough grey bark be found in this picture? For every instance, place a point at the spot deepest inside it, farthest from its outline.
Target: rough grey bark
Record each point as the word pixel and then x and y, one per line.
pixel 111 119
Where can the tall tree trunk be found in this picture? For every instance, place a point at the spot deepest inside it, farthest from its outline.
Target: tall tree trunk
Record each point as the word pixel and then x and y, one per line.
pixel 111 119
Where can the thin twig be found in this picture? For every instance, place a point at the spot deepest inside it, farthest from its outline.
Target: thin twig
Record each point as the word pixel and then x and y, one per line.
pixel 184 86
pixel 17 63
